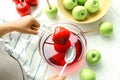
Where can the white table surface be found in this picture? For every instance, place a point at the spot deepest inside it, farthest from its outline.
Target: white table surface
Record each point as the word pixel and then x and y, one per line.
pixel 109 66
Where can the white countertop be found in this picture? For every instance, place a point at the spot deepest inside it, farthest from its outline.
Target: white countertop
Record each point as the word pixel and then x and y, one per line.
pixel 109 66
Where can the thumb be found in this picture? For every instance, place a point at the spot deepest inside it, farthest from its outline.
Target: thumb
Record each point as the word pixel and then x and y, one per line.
pixel 35 32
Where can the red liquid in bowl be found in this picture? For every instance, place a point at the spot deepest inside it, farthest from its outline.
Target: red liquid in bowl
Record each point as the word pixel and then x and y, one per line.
pixel 54 53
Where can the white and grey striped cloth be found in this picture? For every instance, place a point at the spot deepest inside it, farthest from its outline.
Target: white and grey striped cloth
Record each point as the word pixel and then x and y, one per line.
pixel 24 47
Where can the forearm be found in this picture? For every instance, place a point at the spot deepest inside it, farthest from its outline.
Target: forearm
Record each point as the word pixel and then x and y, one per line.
pixel 26 24
pixel 6 28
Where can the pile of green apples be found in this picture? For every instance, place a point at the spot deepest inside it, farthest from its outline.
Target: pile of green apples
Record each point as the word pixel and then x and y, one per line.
pixel 81 8
pixel 93 56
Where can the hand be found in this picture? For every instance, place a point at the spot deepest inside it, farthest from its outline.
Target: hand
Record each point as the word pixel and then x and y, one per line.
pixel 56 77
pixel 26 24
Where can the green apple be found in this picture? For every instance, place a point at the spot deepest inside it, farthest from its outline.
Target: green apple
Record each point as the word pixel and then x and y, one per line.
pixel 69 4
pixel 79 13
pixel 106 29
pixel 51 12
pixel 87 74
pixel 92 5
pixel 81 2
pixel 93 56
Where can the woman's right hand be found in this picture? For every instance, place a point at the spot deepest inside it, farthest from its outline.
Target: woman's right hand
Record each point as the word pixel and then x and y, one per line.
pixel 26 24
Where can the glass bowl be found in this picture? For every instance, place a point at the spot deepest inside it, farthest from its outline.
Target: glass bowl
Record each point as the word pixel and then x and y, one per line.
pixel 54 54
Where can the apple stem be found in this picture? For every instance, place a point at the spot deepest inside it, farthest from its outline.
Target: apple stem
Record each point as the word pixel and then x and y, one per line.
pixel 49 4
pixel 74 0
pixel 93 55
pixel 21 2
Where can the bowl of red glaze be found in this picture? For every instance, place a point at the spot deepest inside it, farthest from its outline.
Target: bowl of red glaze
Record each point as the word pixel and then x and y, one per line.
pixel 57 39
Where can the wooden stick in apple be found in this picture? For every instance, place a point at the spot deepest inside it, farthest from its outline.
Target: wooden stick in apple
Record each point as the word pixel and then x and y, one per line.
pixel 90 31
pixel 48 4
pixel 105 29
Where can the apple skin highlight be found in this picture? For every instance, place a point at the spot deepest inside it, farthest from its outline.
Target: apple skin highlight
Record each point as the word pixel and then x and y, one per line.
pixel 106 29
pixel 51 12
pixel 92 6
pixel 79 13
pixel 69 4
pixel 93 56
pixel 23 8
pixel 87 74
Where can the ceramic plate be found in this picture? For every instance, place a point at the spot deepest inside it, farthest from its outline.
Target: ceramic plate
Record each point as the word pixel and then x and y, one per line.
pixel 104 6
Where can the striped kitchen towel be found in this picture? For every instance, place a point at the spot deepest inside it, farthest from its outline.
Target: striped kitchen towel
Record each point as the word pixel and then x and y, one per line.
pixel 24 47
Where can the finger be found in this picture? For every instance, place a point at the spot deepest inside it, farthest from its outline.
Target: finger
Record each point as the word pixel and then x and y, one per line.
pixel 62 77
pixel 36 24
pixel 52 77
pixel 34 28
pixel 32 32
